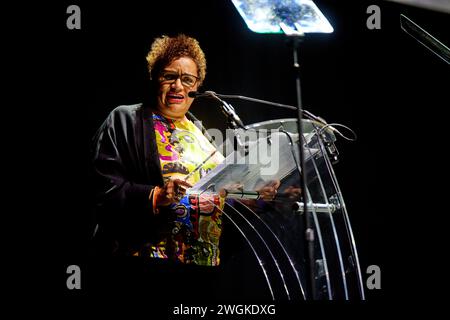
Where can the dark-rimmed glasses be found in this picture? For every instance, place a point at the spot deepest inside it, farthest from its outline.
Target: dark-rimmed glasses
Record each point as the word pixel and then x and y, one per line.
pixel 187 80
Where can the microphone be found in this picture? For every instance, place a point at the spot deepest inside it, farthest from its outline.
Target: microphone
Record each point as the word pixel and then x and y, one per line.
pixel 227 109
pixel 196 94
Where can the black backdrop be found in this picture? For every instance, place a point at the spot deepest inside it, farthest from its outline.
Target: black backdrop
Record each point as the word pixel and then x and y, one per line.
pixel 381 83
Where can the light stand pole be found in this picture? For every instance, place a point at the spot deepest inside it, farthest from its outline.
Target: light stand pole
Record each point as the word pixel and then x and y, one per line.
pixel 309 231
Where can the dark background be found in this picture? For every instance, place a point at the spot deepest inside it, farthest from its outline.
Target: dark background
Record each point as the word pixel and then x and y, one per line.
pixel 388 88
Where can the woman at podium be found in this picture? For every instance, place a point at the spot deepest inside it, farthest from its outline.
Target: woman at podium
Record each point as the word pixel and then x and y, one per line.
pixel 146 156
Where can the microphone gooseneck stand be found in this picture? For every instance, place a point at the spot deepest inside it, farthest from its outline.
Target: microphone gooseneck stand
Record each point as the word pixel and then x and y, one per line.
pixel 233 120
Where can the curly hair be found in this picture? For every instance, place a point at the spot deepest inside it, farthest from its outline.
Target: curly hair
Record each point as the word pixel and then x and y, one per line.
pixel 166 49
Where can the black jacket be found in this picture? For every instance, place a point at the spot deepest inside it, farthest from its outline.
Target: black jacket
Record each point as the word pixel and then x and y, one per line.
pixel 126 167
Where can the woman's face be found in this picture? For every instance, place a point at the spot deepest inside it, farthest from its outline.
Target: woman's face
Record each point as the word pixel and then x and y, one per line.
pixel 176 80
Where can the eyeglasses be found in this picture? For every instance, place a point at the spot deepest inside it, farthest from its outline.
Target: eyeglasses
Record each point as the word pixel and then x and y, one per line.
pixel 187 80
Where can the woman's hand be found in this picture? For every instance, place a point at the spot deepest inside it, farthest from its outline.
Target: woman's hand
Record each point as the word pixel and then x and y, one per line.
pixel 269 191
pixel 172 192
pixel 292 193
pixel 207 204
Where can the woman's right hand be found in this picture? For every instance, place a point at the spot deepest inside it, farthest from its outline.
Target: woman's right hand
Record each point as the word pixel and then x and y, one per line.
pixel 172 192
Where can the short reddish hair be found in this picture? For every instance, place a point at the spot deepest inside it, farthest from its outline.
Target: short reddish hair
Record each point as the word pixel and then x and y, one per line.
pixel 165 49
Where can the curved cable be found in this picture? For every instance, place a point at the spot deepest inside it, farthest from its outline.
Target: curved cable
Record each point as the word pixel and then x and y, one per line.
pixel 332 127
